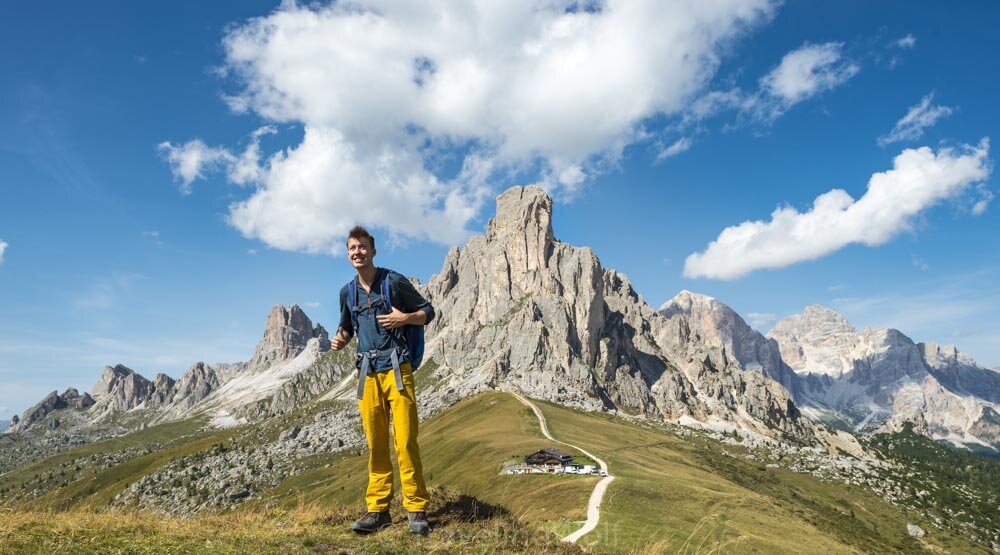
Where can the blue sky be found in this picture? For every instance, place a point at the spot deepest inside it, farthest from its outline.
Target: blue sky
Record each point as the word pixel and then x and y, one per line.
pixel 145 220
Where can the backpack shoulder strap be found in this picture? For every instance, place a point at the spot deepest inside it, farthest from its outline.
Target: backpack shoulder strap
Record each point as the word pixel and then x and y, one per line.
pixel 352 302
pixel 387 291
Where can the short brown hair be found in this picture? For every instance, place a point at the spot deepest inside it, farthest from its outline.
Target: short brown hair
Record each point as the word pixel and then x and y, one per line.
pixel 358 232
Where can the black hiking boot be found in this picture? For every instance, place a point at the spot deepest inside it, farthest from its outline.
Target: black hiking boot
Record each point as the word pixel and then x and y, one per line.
pixel 418 523
pixel 372 522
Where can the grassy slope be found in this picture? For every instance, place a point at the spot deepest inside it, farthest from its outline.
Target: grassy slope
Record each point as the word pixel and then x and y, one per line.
pixel 671 494
pixel 463 448
pixel 92 485
pixel 685 493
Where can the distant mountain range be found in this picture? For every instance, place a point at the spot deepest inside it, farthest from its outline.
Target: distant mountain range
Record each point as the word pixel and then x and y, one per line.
pixel 519 309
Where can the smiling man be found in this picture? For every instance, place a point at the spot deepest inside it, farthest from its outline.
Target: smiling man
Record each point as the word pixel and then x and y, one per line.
pixel 377 306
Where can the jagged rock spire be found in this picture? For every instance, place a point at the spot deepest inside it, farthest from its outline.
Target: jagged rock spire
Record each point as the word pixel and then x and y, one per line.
pixel 286 332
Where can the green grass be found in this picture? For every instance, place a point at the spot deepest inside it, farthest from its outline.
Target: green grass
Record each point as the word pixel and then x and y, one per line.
pixel 688 494
pixel 672 494
pixel 462 448
pixel 164 442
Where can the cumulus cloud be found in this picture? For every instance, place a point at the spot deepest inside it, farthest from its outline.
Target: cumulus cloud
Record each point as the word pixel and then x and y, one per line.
pixel 907 42
pixel 190 160
pixel 383 89
pixel 919 179
pixel 3 247
pixel 802 73
pixel 911 126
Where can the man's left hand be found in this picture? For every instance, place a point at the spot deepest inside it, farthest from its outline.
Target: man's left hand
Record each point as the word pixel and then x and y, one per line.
pixel 395 319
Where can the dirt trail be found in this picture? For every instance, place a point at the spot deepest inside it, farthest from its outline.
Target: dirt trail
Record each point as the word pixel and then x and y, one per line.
pixel 594 506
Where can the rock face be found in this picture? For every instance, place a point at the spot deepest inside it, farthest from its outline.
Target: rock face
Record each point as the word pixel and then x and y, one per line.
pixel 878 378
pixel 51 403
pixel 719 326
pixel 289 346
pixel 195 384
pixel 517 308
pixel 120 389
pixel 286 333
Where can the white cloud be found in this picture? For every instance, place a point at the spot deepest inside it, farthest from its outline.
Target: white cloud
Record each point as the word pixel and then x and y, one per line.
pixel 680 145
pixel 919 179
pixel 761 320
pixel 802 73
pixel 382 89
pixel 311 304
pixel 3 247
pixel 911 126
pixel 919 263
pixel 907 42
pixel 190 160
pixel 979 208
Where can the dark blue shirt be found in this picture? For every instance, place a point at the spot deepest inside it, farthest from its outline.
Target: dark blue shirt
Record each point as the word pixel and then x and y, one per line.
pixel 371 334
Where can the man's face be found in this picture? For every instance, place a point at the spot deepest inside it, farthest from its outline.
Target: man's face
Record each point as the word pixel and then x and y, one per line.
pixel 359 252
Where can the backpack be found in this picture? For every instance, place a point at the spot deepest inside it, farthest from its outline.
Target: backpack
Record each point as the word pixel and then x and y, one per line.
pixel 411 336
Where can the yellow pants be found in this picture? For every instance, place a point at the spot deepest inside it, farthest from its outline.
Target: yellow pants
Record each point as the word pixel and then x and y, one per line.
pixel 380 399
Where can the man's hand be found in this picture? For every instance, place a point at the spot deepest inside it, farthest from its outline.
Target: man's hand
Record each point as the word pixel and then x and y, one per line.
pixel 339 340
pixel 398 319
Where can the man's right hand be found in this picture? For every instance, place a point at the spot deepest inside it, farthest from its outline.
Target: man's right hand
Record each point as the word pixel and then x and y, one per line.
pixel 339 340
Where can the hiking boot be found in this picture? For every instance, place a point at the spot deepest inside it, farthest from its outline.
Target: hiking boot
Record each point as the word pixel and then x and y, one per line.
pixel 372 522
pixel 418 523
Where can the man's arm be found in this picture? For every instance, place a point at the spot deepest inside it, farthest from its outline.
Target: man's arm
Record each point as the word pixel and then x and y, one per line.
pixel 416 310
pixel 346 330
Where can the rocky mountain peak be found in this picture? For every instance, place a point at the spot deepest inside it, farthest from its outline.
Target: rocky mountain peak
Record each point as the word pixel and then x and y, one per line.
pixel 286 333
pixel 523 224
pixel 110 376
pixel 829 318
pixel 517 308
pixel 687 302
pixel 522 209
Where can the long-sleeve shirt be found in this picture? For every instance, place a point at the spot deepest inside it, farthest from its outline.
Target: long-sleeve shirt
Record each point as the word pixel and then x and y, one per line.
pixel 371 334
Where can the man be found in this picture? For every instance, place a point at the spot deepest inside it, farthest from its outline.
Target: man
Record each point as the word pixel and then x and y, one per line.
pixel 385 381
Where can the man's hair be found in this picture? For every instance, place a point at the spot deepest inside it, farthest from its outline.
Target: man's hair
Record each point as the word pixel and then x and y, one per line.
pixel 358 232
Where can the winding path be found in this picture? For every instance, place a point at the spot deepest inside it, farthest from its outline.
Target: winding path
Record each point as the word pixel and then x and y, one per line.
pixel 594 505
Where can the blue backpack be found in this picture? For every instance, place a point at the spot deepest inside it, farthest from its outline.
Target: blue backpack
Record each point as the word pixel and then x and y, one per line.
pixel 412 336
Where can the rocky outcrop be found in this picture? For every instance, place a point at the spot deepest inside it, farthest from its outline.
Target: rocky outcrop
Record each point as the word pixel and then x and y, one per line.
pixel 959 373
pixel 73 398
pixel 517 308
pixel 120 389
pixel 51 403
pixel 329 370
pixel 719 326
pixel 286 333
pixel 163 390
pixel 197 383
pixel 878 378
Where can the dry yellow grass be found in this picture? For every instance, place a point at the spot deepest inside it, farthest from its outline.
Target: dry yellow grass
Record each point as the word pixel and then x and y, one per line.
pixel 461 525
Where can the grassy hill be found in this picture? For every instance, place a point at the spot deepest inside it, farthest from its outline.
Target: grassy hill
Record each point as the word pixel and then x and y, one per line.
pixel 674 493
